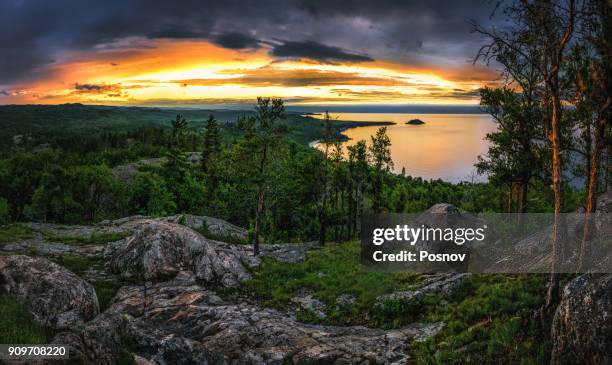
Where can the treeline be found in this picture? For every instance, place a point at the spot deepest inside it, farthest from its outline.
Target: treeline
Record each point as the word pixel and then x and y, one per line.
pixel 251 172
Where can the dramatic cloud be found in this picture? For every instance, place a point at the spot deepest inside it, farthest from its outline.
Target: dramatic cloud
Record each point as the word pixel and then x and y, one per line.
pixel 236 41
pixel 37 33
pixel 180 32
pixel 270 76
pixel 306 51
pixel 91 87
pixel 316 51
pixel 108 90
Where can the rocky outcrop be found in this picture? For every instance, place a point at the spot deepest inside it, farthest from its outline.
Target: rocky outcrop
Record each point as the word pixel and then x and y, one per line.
pixel 216 226
pixel 305 301
pixel 443 284
pixel 158 250
pixel 124 172
pixel 582 326
pixel 288 252
pixel 50 249
pixel 447 216
pixel 533 253
pixel 415 122
pixel 55 297
pixel 181 322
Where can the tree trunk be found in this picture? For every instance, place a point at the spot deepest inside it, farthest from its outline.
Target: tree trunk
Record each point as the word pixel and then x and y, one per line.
pixel 509 201
pixel 591 203
pixel 258 216
pixel 260 202
pixel 322 228
pixel 557 237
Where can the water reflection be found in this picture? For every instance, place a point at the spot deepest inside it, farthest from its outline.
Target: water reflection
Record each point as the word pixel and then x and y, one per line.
pixel 445 147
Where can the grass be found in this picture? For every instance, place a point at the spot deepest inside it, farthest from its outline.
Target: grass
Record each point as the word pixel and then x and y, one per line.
pixel 78 264
pixel 125 357
pixel 329 273
pixel 487 320
pixel 14 232
pixel 92 239
pixel 17 325
pixel 105 291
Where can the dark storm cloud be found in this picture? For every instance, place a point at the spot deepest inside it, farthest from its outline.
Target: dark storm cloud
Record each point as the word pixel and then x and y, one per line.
pixel 316 51
pixel 113 90
pixel 88 87
pixel 176 33
pixel 36 33
pixel 236 41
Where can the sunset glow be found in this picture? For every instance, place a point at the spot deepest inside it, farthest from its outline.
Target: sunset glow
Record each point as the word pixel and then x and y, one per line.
pixel 164 72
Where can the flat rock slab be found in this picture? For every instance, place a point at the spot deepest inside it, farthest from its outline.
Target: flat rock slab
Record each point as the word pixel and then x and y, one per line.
pixel 182 323
pixel 43 248
pixel 443 284
pixel 287 252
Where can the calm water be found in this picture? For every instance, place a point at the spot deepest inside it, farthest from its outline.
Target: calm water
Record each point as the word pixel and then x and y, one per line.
pixel 445 147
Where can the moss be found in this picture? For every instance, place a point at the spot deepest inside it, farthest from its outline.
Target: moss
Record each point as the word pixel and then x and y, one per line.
pixel 92 239
pixel 17 325
pixel 14 232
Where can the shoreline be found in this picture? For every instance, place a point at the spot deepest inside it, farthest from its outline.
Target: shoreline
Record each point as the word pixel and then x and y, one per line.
pixel 339 132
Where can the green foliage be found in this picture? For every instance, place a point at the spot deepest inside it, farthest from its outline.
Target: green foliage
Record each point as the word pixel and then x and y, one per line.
pixel 78 264
pixel 17 325
pixel 380 155
pixel 489 320
pixel 14 232
pixel 329 272
pixel 105 291
pixel 305 194
pixel 190 195
pixel 487 317
pixel 212 143
pixel 148 195
pixel 125 357
pixel 516 155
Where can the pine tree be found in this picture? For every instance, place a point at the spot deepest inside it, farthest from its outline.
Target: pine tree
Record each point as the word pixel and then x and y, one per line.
pixel 212 144
pixel 262 134
pixel 381 159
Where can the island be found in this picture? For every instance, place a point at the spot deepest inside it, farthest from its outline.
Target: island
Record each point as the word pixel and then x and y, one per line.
pixel 415 122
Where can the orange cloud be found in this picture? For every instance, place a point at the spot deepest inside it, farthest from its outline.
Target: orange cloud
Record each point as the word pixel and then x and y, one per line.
pixel 141 71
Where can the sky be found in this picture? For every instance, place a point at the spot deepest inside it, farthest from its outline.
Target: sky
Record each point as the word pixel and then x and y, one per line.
pixel 195 53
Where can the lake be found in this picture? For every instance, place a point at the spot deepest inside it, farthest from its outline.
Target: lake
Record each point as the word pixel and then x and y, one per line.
pixel 445 147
